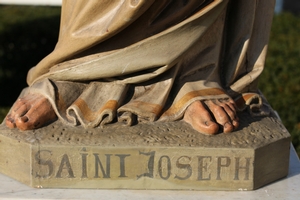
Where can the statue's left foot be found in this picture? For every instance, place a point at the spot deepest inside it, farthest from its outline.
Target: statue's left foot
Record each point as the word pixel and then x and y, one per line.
pixel 210 116
pixel 30 112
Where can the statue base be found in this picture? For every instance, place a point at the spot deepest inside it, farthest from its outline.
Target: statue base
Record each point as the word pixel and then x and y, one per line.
pixel 147 156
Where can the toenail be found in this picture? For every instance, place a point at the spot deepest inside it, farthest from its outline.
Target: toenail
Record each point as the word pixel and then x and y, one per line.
pixel 207 123
pixel 10 119
pixel 24 119
pixel 234 122
pixel 227 124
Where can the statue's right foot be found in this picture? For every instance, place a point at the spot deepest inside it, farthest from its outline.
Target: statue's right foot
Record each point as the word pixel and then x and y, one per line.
pixel 210 116
pixel 30 112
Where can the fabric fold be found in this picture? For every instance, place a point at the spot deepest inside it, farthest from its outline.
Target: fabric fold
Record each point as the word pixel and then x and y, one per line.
pixel 142 61
pixel 97 104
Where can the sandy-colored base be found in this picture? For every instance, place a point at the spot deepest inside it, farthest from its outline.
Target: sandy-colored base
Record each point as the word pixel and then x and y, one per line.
pixel 147 156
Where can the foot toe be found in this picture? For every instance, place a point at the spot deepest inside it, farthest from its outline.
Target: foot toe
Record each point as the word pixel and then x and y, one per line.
pixel 200 119
pixel 10 122
pixel 210 128
pixel 23 123
pixel 227 127
pixel 235 123
pixel 34 111
pixel 224 114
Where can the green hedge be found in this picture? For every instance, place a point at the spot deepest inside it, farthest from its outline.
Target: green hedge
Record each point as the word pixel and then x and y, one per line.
pixel 280 81
pixel 29 33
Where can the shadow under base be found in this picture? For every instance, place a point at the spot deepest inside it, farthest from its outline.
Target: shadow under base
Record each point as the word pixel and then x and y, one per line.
pixel 159 155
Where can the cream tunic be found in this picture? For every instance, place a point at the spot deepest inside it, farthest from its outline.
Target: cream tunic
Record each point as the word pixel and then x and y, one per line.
pixel 147 60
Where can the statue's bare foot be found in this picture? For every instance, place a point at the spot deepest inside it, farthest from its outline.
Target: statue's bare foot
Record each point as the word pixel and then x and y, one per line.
pixel 210 115
pixel 30 112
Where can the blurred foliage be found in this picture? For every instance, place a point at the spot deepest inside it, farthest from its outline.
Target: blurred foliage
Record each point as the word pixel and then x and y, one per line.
pixel 280 81
pixel 29 33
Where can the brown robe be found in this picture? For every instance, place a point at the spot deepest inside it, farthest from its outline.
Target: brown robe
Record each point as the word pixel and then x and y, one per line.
pixel 147 60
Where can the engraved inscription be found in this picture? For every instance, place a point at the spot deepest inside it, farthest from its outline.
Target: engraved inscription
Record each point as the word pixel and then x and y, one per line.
pixel 140 164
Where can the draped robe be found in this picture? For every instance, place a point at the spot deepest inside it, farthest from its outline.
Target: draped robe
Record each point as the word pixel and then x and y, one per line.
pixel 148 60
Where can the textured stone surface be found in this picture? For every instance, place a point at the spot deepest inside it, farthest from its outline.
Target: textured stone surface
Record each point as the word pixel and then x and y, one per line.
pixel 263 130
pixel 157 155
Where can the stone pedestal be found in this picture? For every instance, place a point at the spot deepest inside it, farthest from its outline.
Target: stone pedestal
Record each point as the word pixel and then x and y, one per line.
pixel 147 156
